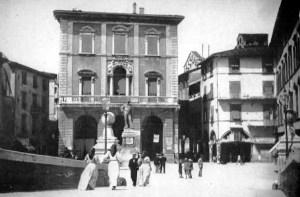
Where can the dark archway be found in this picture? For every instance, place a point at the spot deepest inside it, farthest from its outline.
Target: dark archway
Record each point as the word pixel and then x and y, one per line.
pixel 119 81
pixel 152 135
pixel 85 135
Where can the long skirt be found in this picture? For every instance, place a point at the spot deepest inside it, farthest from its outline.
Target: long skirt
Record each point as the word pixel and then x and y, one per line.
pixel 113 172
pixel 88 177
pixel 144 174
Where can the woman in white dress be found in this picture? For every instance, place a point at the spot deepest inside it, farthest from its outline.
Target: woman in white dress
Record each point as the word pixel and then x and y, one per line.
pixel 89 175
pixel 145 172
pixel 113 157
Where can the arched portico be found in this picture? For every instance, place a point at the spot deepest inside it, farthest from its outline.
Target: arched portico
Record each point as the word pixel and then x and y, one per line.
pixel 152 135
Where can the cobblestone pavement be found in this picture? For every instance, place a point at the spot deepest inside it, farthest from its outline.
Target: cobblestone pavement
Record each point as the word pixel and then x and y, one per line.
pixel 232 180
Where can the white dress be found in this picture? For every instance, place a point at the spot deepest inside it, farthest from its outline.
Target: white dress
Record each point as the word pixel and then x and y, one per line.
pixel 113 167
pixel 89 175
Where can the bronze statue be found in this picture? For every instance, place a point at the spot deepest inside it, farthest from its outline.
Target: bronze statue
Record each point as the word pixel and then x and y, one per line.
pixel 126 109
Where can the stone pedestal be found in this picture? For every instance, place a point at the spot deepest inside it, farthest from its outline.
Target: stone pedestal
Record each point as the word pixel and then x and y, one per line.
pixel 130 144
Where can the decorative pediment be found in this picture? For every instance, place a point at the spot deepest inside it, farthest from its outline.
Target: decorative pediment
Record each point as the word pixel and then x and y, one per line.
pixel 120 28
pixel 152 31
pixel 153 74
pixel 124 63
pixel 86 73
pixel 86 29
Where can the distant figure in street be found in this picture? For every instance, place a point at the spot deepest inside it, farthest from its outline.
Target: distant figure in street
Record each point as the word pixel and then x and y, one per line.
pixel 126 109
pixel 157 163
pixel 113 157
pixel 180 168
pixel 134 166
pixel 186 167
pixel 200 165
pixel 190 163
pixel 163 160
pixel 89 175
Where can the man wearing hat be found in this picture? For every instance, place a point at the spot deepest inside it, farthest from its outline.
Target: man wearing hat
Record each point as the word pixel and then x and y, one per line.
pixel 133 165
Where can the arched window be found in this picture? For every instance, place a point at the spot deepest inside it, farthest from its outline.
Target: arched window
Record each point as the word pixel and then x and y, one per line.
pixel 119 81
pixel 152 83
pixel 86 40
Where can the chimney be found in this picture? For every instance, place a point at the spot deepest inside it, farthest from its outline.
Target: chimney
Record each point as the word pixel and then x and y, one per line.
pixel 134 8
pixel 142 10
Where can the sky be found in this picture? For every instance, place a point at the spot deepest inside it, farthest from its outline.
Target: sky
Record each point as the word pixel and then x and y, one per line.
pixel 30 34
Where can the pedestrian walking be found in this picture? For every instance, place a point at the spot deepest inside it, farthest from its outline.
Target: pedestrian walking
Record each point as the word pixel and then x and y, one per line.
pixel 186 167
pixel 156 162
pixel 133 166
pixel 190 163
pixel 180 168
pixel 89 175
pixel 200 165
pixel 145 172
pixel 113 157
pixel 163 160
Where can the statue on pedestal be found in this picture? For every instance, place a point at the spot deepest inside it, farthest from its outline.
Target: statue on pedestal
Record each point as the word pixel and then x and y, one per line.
pixel 126 109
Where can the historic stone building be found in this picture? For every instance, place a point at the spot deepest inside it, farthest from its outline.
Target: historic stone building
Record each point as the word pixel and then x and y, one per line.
pixel 118 57
pixel 234 91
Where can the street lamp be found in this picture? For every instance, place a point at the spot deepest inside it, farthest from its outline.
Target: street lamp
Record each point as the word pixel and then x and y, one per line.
pixel 105 108
pixel 288 118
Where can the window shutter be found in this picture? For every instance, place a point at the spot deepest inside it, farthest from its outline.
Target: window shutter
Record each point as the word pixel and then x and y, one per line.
pixel 152 45
pixel 152 87
pixel 235 89
pixel 87 43
pixel 120 43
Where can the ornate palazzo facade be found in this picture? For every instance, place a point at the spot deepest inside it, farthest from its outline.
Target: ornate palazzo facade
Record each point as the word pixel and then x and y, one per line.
pixel 118 58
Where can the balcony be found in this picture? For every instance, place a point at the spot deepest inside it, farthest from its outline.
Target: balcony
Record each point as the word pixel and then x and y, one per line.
pixel 247 98
pixel 69 100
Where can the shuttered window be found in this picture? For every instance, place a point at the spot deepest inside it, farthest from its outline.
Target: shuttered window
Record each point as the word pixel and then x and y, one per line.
pixel 87 42
pixel 152 86
pixel 152 42
pixel 268 88
pixel 235 89
pixel 234 64
pixel 86 86
pixel 120 43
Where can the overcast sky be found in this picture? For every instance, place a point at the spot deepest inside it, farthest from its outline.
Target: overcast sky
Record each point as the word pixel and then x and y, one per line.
pixel 29 34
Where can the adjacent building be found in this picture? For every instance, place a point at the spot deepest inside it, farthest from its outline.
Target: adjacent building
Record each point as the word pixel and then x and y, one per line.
pixel 235 89
pixel 118 57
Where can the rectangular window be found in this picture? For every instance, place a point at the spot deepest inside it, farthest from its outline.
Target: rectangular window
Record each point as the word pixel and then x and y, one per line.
pixel 268 88
pixel 267 64
pixel 268 112
pixel 234 65
pixel 34 100
pixel 152 45
pixel 24 100
pixel 87 43
pixel 35 84
pixel 120 43
pixel 211 93
pixel 45 84
pixel 235 112
pixel 24 77
pixel 152 87
pixel 86 86
pixel 235 89
pixel 211 113
pixel 34 124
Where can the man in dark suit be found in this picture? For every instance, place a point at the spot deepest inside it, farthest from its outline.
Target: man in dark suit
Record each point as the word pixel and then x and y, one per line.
pixel 163 160
pixel 133 166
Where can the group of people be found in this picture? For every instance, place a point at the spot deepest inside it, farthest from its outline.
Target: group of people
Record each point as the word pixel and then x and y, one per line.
pixel 140 169
pixel 160 163
pixel 187 165
pixel 89 175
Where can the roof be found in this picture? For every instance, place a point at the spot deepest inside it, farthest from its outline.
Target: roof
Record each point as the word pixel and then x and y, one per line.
pixel 254 37
pixel 15 65
pixel 241 52
pixel 117 17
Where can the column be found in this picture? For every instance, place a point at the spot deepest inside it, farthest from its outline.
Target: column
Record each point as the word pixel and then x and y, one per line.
pixel 146 86
pixel 80 86
pixel 111 83
pixel 127 85
pixel 158 86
